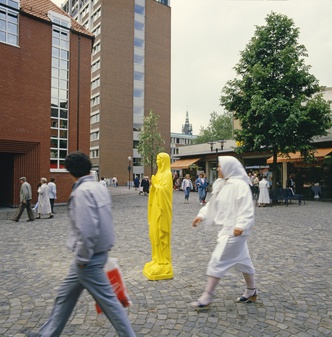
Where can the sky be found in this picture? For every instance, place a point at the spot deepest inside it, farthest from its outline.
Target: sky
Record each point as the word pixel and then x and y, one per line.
pixel 208 36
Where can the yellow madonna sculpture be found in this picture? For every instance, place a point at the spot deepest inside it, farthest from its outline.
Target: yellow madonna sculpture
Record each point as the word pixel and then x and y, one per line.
pixel 160 221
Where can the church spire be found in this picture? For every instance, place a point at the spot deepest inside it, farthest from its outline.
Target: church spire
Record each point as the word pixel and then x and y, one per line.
pixel 187 128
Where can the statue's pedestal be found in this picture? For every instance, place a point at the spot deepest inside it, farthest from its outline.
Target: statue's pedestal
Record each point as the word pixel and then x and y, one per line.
pixel 155 271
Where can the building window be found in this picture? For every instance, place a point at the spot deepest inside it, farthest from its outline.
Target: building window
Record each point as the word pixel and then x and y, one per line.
pixel 138 76
pixel 95 100
pixel 94 136
pixel 138 59
pixel 137 161
pixel 95 66
pixel 59 90
pixel 97 30
pixel 139 93
pixel 139 9
pixel 94 118
pixel 139 25
pixel 94 153
pixel 96 15
pixel 95 83
pixel 138 42
pixel 96 48
pixel 9 22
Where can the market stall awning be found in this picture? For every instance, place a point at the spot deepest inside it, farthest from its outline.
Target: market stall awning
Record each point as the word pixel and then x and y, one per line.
pixel 295 157
pixel 184 163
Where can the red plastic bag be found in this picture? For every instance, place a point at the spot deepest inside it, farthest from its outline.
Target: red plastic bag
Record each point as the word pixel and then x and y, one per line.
pixel 114 274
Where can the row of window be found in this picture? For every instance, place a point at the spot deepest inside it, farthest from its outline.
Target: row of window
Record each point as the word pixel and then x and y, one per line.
pixel 59 90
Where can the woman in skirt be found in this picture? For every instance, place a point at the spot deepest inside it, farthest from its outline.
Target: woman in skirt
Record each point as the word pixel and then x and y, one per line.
pixel 230 207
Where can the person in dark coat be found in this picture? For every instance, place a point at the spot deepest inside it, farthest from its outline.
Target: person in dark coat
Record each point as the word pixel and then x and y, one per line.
pixel 145 183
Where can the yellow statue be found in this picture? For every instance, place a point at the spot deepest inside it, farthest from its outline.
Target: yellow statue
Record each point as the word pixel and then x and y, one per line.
pixel 160 221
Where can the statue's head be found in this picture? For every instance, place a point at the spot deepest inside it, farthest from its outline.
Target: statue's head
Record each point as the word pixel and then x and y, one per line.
pixel 163 161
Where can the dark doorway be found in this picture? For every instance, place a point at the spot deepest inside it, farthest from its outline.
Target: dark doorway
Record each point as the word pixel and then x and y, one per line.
pixel 6 179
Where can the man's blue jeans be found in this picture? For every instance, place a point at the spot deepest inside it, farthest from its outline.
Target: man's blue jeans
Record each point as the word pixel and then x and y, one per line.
pixel 93 278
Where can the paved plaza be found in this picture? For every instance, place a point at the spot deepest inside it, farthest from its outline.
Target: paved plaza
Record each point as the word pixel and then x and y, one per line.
pixel 291 248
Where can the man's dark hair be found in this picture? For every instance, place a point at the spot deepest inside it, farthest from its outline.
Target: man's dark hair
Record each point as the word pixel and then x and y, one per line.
pixel 78 164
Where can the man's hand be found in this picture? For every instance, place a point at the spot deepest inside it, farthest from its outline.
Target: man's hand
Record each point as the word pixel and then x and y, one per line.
pixel 196 221
pixel 238 231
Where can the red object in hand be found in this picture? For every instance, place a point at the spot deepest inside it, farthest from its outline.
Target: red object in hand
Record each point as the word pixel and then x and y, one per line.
pixel 114 275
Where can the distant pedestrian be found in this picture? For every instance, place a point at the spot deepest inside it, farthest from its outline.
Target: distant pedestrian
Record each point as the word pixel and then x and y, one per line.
pixel 44 205
pixel 186 186
pixel 102 182
pixel 92 236
pixel 201 184
pixel 145 184
pixel 25 201
pixel 52 193
pixel 255 188
pixel 264 196
pixel 136 182
pixel 115 181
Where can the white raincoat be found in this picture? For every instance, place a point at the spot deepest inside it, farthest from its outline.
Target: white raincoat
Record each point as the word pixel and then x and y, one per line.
pixel 230 206
pixel 44 206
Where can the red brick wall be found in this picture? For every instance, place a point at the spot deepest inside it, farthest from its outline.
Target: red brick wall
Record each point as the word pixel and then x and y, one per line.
pixel 25 86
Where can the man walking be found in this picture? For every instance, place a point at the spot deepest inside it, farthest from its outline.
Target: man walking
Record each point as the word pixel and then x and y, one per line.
pixel 25 200
pixel 52 193
pixel 92 236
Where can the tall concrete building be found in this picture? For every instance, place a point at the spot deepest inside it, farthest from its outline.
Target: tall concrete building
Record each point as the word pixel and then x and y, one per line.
pixel 130 76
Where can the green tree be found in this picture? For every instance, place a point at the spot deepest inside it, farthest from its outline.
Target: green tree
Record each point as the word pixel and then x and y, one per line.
pixel 219 127
pixel 150 141
pixel 274 96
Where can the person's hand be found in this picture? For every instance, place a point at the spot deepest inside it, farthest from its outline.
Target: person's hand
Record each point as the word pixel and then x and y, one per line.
pixel 196 221
pixel 237 231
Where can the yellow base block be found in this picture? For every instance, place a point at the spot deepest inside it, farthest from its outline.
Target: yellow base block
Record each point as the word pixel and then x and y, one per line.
pixel 157 271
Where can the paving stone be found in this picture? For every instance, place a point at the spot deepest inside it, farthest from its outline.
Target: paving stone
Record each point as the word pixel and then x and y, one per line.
pixel 290 247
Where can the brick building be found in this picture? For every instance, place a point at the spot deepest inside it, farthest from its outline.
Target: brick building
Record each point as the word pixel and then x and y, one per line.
pixel 45 87
pixel 130 76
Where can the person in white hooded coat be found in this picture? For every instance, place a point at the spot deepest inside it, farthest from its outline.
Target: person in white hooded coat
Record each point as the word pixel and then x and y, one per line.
pixel 231 207
pixel 44 205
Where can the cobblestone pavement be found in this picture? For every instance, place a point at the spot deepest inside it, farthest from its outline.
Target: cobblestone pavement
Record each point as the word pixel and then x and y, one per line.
pixel 290 246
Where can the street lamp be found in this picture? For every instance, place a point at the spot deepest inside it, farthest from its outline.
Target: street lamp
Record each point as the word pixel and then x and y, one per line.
pixel 129 169
pixel 222 142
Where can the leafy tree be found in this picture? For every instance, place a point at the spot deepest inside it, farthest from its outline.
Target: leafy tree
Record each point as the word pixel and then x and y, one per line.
pixel 274 96
pixel 220 127
pixel 150 141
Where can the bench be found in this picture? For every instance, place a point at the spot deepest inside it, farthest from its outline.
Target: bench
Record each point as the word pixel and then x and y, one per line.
pixel 286 195
pixel 290 195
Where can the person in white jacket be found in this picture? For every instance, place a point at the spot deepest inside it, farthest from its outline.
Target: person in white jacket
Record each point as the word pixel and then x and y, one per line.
pixel 230 207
